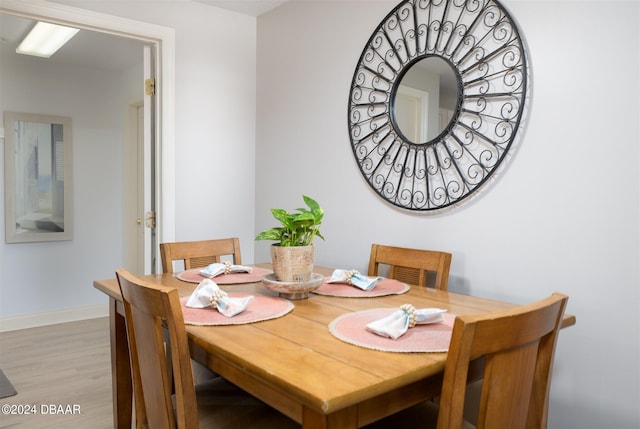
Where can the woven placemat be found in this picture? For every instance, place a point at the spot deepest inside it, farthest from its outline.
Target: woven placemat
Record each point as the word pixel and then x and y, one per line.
pixel 429 338
pixel 262 307
pixel 383 288
pixel 256 274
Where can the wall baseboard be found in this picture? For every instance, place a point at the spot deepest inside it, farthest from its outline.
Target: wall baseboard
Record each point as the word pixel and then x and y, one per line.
pixel 53 317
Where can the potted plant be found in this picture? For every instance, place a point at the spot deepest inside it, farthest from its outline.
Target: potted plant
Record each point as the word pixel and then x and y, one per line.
pixel 293 254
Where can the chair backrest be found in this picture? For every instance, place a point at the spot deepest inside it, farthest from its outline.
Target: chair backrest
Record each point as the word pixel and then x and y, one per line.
pixel 411 265
pixel 196 254
pixel 149 307
pixel 517 347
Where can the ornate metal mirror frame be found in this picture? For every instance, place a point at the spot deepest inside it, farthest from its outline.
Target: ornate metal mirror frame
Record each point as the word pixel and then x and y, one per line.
pixel 481 43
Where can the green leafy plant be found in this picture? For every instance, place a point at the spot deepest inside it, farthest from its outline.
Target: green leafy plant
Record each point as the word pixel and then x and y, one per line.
pixel 299 228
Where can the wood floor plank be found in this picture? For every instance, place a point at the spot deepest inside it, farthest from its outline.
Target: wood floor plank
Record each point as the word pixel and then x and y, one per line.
pixel 61 372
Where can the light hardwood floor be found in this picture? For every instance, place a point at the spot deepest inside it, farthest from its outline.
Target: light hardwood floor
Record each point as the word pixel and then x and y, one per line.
pixel 64 365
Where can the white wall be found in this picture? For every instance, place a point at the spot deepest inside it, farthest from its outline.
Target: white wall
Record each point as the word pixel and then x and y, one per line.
pixel 55 276
pixel 564 216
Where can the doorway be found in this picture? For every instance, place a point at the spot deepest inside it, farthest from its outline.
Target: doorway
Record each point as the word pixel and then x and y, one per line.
pixel 162 128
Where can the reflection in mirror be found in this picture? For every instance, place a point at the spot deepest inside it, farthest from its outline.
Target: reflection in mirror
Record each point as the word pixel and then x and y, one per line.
pixel 425 100
pixel 37 178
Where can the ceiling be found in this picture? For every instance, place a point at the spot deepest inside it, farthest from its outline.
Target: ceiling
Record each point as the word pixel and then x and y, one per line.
pixel 245 7
pixel 106 51
pixel 86 48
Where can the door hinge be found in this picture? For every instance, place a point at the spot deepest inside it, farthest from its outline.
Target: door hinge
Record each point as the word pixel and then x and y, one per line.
pixel 150 219
pixel 150 86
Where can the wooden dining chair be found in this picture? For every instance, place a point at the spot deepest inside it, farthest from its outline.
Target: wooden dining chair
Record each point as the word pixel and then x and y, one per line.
pixel 221 405
pixel 196 254
pixel 517 347
pixel 411 266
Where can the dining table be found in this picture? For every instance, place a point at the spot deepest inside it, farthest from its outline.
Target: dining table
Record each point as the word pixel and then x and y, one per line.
pixel 297 361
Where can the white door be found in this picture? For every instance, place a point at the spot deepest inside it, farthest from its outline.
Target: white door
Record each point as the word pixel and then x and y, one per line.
pixel 148 168
pixel 412 113
pixel 133 174
pixel 140 247
pixel 139 191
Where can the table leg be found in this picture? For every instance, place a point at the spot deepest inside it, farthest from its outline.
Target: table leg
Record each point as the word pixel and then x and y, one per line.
pixel 343 419
pixel 120 368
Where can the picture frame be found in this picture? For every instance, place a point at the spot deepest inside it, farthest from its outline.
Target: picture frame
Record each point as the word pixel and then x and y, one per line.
pixel 38 161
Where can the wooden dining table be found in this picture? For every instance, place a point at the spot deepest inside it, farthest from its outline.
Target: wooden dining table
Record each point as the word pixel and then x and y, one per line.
pixel 295 364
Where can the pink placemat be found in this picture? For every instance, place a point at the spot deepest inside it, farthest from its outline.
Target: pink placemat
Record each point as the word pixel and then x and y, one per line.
pixel 262 307
pixel 256 274
pixel 430 338
pixel 383 288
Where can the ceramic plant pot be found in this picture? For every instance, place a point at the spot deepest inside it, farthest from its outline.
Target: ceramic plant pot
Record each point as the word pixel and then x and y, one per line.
pixel 292 264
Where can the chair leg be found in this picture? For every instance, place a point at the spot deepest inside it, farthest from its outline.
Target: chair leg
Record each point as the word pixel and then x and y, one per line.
pixel 201 374
pixel 167 349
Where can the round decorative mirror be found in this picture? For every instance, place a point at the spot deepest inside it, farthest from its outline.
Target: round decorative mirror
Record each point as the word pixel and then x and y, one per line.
pixel 436 100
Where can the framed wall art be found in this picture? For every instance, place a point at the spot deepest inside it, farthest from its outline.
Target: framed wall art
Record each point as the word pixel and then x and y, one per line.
pixel 38 178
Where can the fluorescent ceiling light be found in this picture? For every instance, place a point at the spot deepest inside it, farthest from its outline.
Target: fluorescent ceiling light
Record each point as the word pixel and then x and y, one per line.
pixel 45 39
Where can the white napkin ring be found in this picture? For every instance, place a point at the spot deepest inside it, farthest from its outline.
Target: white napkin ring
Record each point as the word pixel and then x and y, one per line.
pixel 350 274
pixel 227 267
pixel 217 296
pixel 411 312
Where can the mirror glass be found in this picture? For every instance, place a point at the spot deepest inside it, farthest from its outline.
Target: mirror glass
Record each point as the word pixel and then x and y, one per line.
pixel 425 100
pixel 37 177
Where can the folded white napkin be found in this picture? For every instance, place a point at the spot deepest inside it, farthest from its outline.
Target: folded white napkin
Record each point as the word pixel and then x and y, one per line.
pixel 225 267
pixel 396 324
pixel 208 294
pixel 353 277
